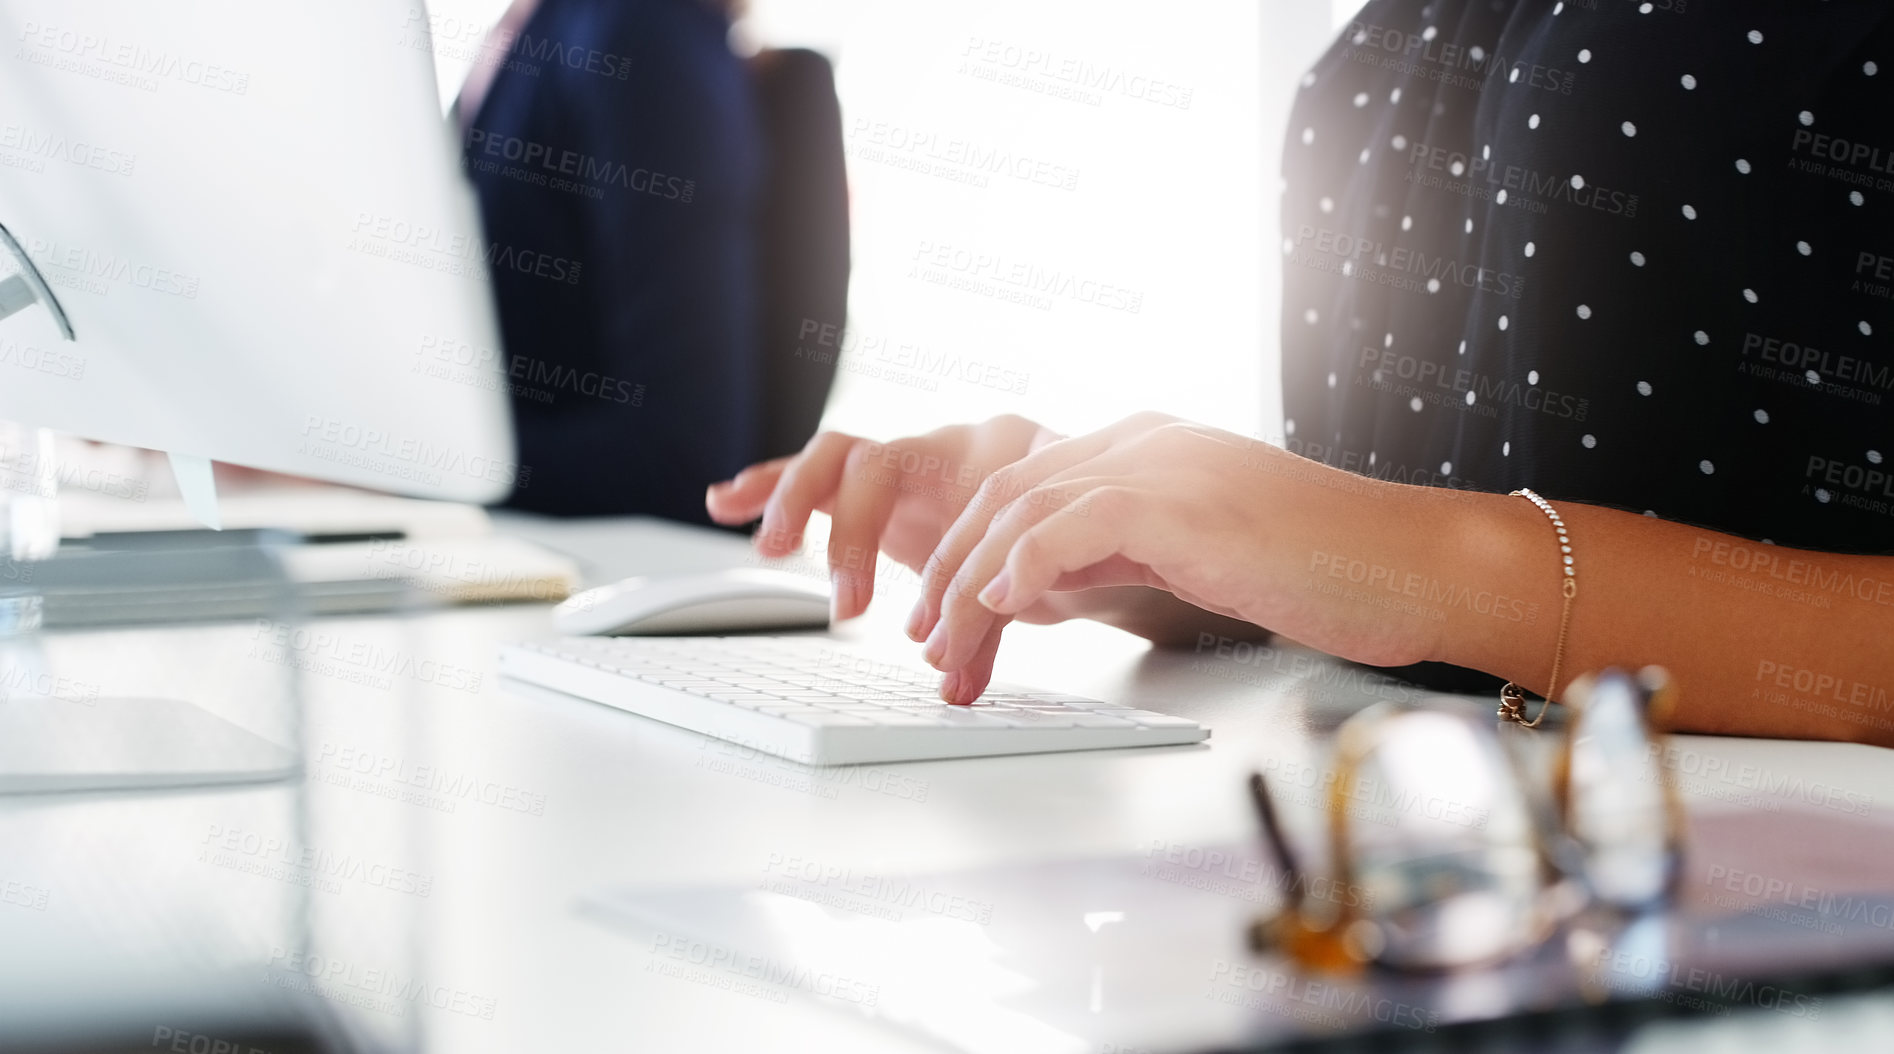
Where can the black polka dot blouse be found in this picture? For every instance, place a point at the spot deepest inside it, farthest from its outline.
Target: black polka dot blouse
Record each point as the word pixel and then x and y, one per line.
pixel 1633 254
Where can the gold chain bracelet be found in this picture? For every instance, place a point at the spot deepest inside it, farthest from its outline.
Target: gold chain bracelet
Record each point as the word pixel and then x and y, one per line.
pixel 1512 698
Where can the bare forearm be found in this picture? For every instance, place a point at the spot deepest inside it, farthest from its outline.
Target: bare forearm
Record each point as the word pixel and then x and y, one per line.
pixel 1761 640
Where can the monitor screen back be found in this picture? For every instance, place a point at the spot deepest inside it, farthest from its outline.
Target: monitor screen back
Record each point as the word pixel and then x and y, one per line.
pixel 254 216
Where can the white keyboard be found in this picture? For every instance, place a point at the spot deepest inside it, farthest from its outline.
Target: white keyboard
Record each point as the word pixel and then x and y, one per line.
pixel 809 700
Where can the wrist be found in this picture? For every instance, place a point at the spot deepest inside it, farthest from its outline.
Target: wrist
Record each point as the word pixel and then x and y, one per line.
pixel 1503 575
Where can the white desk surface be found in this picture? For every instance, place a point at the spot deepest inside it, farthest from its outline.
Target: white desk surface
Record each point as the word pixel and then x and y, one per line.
pixel 629 800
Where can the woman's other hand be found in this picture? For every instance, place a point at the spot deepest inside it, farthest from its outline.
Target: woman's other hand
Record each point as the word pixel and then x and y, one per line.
pixel 898 497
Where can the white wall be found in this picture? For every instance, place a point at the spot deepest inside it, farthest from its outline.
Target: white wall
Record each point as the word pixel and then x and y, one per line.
pixel 1087 157
pixel 1140 261
pixel 460 28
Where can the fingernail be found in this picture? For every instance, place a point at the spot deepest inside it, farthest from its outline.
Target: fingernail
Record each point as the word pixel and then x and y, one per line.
pixel 950 687
pixel 766 532
pixel 845 599
pixel 914 621
pixel 936 647
pixel 995 592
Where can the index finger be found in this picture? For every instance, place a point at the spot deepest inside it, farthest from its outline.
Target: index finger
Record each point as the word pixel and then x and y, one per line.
pixel 995 493
pixel 864 503
pixel 809 479
pixel 740 499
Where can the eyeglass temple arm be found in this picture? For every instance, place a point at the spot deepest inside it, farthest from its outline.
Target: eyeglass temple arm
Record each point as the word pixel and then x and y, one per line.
pixel 1272 833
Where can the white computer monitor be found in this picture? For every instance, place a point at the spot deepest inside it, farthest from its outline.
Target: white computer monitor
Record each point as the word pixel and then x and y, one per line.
pixel 244 236
pixel 255 220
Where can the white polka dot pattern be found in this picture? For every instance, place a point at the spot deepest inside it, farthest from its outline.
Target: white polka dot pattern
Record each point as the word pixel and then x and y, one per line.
pixel 1639 270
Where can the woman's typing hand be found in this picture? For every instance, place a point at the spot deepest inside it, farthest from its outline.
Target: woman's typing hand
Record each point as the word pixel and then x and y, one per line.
pixel 1228 523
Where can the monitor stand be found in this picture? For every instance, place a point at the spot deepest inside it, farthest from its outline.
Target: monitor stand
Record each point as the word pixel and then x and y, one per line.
pixel 21 291
pixel 63 745
pixel 55 742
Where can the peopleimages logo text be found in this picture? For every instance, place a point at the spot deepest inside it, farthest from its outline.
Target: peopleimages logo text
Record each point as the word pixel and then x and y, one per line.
pixel 131 57
pixel 1400 260
pixel 525 368
pixel 341 435
pixel 579 166
pixel 398 239
pixel 1076 71
pixel 1442 60
pixel 35 143
pixel 1533 184
pixel 1843 151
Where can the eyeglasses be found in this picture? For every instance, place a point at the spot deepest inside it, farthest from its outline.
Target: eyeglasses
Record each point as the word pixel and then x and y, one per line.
pixel 1479 863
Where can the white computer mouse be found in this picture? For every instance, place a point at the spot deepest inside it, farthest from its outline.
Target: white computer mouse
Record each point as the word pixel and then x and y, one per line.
pixel 732 600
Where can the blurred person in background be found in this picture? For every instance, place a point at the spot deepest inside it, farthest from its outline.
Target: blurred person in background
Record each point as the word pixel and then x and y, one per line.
pixel 1630 256
pixel 622 154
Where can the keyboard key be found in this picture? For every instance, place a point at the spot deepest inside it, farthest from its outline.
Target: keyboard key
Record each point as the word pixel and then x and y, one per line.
pixel 1034 719
pixel 892 719
pixel 742 697
pixel 825 719
pixel 960 716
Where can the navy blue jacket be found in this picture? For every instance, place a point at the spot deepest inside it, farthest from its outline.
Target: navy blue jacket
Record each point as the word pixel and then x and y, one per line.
pixel 617 160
